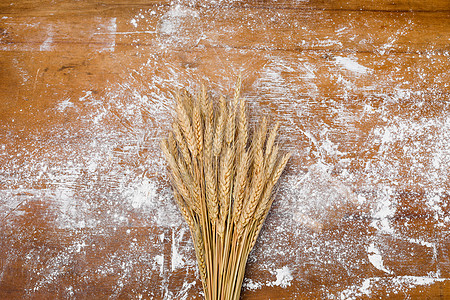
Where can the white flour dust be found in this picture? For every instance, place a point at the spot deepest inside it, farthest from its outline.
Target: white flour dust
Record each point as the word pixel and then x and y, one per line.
pixel 284 277
pixel 376 259
pixel 351 65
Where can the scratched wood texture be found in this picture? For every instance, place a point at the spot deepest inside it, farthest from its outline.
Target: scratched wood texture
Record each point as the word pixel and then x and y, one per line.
pixel 362 91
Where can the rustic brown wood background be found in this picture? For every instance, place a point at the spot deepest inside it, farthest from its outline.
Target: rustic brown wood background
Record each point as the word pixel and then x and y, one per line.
pixel 362 90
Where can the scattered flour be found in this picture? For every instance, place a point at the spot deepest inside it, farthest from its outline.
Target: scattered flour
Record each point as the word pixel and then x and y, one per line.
pixel 64 105
pixel 177 259
pixel 143 195
pixel 47 44
pixel 180 27
pixel 376 259
pixel 284 277
pixel 394 285
pixel 249 284
pixel 352 65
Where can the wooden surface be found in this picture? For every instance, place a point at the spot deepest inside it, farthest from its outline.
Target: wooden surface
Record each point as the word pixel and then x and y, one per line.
pixel 362 90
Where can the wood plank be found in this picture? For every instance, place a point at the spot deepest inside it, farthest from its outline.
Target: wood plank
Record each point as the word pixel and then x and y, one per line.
pixel 383 5
pixel 26 7
pixel 360 31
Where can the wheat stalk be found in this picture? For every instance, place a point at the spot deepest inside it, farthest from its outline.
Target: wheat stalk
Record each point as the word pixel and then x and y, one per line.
pixel 223 179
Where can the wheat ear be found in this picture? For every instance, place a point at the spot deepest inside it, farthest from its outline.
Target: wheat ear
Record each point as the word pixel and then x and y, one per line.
pixel 223 176
pixel 185 125
pixel 220 128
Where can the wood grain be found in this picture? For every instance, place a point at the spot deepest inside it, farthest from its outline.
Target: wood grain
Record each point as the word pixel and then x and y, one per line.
pixel 361 89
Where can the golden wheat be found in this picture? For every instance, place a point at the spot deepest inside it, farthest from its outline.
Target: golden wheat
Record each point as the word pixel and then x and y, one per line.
pixel 223 178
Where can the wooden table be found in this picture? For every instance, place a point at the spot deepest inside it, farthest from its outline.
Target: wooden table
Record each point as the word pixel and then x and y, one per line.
pixel 362 91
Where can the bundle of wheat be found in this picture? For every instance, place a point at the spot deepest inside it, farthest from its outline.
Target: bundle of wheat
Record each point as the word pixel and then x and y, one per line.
pixel 223 180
